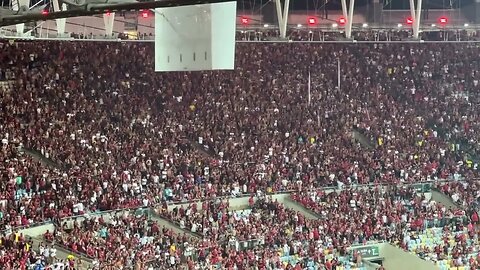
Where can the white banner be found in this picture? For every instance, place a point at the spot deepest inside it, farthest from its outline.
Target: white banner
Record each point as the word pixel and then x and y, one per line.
pixel 199 37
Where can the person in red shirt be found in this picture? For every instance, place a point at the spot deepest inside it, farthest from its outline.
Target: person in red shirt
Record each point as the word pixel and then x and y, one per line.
pixel 328 265
pixel 251 201
pixel 475 218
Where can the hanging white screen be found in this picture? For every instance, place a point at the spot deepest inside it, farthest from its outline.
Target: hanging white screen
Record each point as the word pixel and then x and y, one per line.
pixel 199 37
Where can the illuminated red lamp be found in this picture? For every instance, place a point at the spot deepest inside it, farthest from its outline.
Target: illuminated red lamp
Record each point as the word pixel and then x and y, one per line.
pixel 409 21
pixel 312 21
pixel 108 13
pixel 244 20
pixel 443 20
pixel 145 14
pixel 44 12
pixel 342 21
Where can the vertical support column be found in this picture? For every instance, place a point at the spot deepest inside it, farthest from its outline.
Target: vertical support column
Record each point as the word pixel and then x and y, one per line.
pixel 60 22
pixel 375 11
pixel 282 15
pixel 18 5
pixel 348 15
pixel 350 19
pixel 412 9
pixel 344 9
pixel 108 19
pixel 286 10
pixel 278 8
pixel 416 21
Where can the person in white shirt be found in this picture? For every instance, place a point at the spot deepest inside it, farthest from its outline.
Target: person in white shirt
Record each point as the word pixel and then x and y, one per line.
pixel 41 248
pixel 455 197
pixel 46 255
pixel 46 252
pixel 53 252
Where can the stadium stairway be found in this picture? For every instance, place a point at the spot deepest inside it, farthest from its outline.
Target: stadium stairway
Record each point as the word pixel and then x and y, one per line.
pixel 289 203
pixel 172 226
pixel 37 155
pixel 204 150
pixel 359 137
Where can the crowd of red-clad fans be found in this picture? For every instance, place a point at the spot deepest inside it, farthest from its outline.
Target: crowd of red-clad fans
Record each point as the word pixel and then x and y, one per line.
pixel 413 222
pixel 282 235
pixel 122 241
pixel 15 251
pixel 465 194
pixel 84 132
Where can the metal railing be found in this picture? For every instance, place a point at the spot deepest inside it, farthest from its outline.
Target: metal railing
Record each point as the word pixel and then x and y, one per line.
pixel 311 35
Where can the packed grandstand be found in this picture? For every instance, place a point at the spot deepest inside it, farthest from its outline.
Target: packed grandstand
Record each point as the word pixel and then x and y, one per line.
pixel 89 127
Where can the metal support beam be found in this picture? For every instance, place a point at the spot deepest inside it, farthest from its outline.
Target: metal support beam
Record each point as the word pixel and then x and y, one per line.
pixel 416 16
pixel 350 19
pixel 282 14
pixel 286 10
pixel 278 8
pixel 344 9
pixel 348 15
pixel 108 19
pixel 12 18
pixel 20 5
pixel 412 9
pixel 60 22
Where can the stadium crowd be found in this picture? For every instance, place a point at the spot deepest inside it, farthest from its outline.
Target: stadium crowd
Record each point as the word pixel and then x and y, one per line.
pixel 401 216
pixel 281 235
pixel 18 253
pixel 122 241
pixel 315 34
pixel 85 132
pixel 465 194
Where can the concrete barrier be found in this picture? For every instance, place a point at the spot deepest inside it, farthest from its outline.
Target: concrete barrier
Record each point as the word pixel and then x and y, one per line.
pixel 397 259
pixel 444 199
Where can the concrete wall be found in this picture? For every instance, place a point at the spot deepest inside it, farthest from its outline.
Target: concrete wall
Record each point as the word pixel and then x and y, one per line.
pixel 235 203
pixel 38 230
pixel 397 259
pixel 443 199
